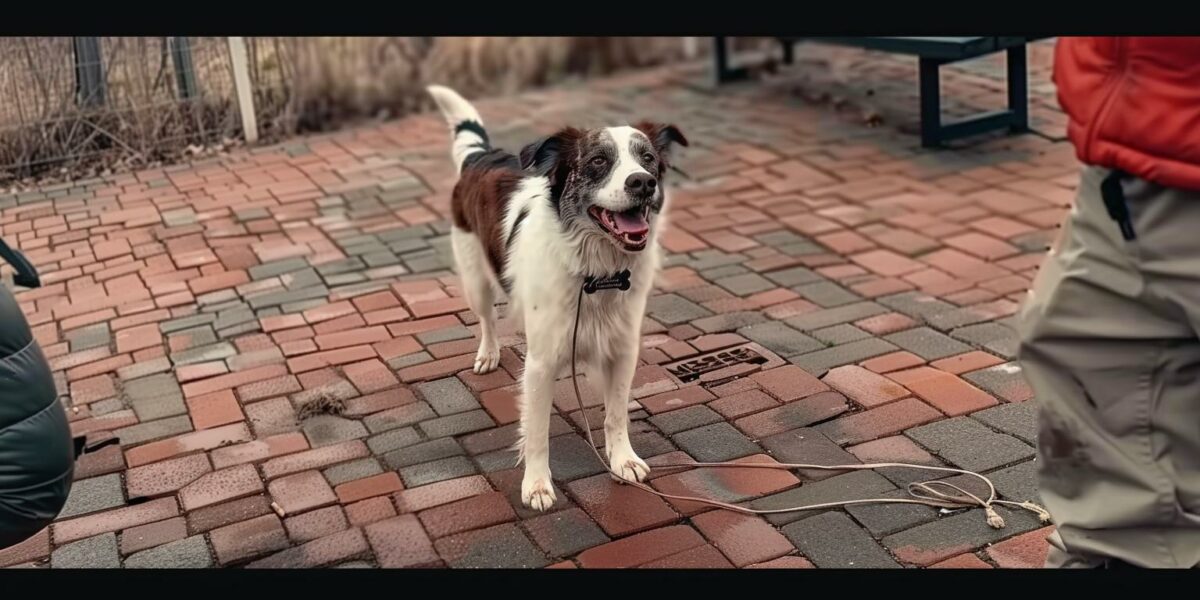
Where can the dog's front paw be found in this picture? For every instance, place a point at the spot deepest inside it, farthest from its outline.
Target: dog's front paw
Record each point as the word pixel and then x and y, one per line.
pixel 487 359
pixel 537 493
pixel 625 464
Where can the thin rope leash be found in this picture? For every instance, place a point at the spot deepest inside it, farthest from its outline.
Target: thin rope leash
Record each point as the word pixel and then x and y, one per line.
pixel 923 493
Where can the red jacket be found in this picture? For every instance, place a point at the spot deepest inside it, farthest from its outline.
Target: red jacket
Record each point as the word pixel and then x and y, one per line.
pixel 1134 104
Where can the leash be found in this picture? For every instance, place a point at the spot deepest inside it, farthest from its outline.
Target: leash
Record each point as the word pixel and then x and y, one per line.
pixel 937 494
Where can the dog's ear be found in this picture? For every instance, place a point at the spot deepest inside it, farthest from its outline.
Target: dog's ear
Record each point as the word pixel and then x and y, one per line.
pixel 549 155
pixel 529 154
pixel 662 135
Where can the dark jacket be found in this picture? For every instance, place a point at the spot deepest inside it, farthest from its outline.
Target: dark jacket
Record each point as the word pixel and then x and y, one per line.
pixel 37 457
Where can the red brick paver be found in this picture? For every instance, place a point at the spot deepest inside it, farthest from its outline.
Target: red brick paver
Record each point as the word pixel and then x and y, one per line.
pixel 319 407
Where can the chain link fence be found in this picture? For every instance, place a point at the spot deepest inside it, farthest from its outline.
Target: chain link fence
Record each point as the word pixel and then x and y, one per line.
pixel 66 102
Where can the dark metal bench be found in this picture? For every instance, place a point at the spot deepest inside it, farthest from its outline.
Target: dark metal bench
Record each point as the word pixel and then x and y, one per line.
pixel 932 52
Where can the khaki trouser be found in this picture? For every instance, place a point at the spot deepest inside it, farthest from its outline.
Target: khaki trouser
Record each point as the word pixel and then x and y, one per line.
pixel 1109 345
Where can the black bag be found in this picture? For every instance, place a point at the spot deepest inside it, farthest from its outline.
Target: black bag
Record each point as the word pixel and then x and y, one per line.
pixel 37 455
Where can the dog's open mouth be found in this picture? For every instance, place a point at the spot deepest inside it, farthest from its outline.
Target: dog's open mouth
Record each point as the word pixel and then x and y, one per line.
pixel 631 228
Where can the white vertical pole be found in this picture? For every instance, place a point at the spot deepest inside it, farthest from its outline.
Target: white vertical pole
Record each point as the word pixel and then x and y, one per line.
pixel 241 86
pixel 691 47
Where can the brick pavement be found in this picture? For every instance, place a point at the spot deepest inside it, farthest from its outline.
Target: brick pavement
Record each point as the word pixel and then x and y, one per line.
pixel 278 341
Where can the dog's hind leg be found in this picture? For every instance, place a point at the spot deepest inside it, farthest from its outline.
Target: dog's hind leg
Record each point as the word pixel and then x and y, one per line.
pixel 476 277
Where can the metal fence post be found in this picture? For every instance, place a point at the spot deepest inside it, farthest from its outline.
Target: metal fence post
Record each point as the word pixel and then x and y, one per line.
pixel 185 73
pixel 90 89
pixel 241 85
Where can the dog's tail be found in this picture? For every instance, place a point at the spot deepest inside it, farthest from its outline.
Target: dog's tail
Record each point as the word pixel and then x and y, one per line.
pixel 468 136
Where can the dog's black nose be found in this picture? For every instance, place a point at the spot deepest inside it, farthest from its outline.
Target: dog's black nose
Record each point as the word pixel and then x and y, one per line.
pixel 640 185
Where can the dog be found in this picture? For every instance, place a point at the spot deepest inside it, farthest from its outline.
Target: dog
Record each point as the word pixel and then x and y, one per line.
pixel 573 205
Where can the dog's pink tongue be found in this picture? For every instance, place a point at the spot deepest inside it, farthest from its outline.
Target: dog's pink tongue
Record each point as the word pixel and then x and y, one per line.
pixel 631 222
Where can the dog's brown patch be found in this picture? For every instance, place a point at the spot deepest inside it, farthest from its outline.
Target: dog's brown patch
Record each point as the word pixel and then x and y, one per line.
pixel 489 179
pixel 480 197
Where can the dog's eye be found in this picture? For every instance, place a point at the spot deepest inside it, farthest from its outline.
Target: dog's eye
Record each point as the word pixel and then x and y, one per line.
pixel 648 157
pixel 599 161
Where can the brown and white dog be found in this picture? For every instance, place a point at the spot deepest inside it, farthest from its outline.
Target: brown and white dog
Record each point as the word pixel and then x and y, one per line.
pixel 576 204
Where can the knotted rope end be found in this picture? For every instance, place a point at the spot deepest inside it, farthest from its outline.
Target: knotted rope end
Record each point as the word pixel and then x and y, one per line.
pixel 1043 514
pixel 993 518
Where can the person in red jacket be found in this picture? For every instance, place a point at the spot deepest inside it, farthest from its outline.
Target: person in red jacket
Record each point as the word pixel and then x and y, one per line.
pixel 1108 334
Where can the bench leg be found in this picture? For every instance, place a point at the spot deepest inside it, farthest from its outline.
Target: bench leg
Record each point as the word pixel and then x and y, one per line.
pixel 1018 89
pixel 1016 118
pixel 931 103
pixel 725 73
pixel 789 51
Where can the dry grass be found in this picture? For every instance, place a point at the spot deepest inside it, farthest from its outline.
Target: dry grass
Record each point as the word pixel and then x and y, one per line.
pixel 323 403
pixel 307 84
pixel 300 84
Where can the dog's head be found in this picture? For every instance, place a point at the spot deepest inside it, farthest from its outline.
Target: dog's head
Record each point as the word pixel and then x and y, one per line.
pixel 606 182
